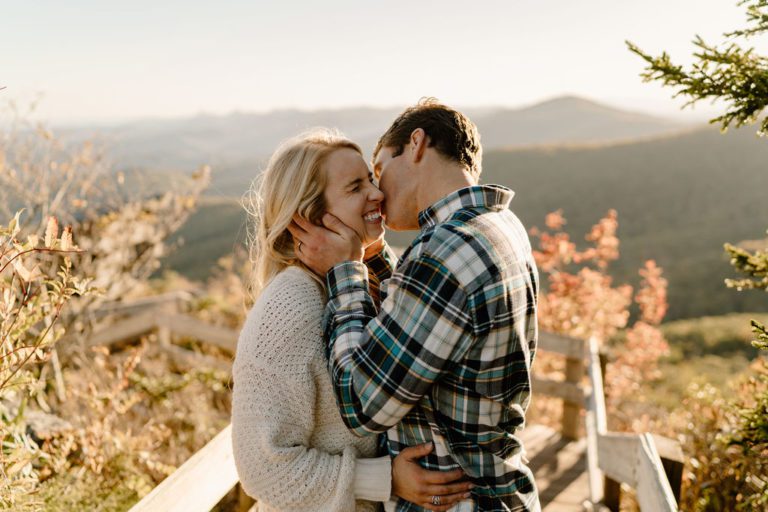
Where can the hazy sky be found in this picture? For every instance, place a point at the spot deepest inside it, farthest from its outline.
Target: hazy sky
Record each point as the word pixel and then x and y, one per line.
pixel 107 60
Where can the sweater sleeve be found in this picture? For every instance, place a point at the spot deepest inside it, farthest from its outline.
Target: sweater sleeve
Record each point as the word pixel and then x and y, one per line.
pixel 272 422
pixel 373 479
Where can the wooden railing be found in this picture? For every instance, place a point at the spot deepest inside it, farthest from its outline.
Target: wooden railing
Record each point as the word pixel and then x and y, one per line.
pixel 633 459
pixel 612 458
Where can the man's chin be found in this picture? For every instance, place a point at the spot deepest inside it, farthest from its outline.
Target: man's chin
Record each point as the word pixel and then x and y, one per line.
pixel 390 227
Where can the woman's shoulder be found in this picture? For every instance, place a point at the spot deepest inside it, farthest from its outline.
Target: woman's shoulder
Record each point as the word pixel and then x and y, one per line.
pixel 293 289
pixel 285 322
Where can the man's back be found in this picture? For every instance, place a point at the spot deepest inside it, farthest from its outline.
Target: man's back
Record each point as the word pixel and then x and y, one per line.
pixel 449 353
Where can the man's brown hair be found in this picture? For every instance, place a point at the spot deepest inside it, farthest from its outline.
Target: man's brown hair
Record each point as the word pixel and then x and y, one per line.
pixel 450 132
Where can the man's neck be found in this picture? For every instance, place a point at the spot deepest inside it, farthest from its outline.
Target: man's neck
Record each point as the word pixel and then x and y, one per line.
pixel 441 183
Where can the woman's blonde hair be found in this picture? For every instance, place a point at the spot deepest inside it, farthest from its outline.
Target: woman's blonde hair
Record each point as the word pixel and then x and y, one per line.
pixel 292 183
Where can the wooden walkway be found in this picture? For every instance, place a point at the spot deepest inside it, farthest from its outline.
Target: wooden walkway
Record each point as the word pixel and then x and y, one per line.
pixel 572 473
pixel 560 468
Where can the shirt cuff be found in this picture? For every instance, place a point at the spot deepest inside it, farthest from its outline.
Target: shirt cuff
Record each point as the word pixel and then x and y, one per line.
pixel 347 276
pixel 382 263
pixel 373 479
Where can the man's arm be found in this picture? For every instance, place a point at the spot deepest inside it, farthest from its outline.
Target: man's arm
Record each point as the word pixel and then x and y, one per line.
pixel 380 267
pixel 382 365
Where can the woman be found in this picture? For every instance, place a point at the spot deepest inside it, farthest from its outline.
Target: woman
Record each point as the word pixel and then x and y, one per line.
pixel 291 447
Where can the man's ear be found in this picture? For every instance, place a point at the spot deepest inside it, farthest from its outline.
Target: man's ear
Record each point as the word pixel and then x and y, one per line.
pixel 419 143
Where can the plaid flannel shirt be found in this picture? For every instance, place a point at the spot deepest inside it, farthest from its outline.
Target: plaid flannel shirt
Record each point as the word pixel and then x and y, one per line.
pixel 447 357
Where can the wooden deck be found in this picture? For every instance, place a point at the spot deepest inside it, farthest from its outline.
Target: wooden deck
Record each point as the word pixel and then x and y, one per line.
pixel 560 469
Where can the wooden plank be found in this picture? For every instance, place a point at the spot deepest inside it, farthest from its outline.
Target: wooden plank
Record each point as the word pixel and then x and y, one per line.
pixel 673 460
pixel 560 476
pixel 574 371
pixel 668 448
pixel 122 330
pixel 653 490
pixel 568 391
pixel 139 305
pixel 199 483
pixel 564 345
pixel 616 455
pixel 185 359
pixel 600 487
pixel 186 325
pixel 597 396
pixel 595 476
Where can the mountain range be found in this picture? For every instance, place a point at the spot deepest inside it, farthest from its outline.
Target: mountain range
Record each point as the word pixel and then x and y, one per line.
pixel 681 191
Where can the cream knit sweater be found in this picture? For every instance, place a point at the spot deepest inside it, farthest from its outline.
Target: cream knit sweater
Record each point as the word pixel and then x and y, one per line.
pixel 291 448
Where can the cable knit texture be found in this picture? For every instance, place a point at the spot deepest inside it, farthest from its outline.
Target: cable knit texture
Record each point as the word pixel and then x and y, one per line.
pixel 292 450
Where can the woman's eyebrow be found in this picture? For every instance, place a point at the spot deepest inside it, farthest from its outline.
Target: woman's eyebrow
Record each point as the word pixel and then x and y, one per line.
pixel 356 181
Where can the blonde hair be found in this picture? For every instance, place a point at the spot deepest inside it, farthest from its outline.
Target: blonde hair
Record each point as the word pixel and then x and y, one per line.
pixel 293 183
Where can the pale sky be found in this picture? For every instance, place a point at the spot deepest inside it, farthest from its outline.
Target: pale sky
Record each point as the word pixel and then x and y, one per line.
pixel 106 61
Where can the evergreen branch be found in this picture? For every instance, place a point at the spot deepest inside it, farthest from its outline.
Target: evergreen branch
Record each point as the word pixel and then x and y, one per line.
pixel 738 77
pixel 762 335
pixel 754 265
pixel 757 13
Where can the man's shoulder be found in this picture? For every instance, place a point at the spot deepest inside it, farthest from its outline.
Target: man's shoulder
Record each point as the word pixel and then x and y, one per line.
pixel 472 247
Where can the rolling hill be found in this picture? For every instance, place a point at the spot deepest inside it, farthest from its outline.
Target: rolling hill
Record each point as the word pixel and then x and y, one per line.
pixel 240 142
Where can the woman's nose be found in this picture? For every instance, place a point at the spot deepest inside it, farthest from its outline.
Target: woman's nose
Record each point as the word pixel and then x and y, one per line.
pixel 375 194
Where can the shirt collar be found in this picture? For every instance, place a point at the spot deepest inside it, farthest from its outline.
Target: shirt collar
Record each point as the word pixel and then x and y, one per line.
pixel 493 197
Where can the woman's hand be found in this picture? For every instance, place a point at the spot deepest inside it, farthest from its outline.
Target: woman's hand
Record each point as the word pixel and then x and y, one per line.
pixel 322 247
pixel 413 483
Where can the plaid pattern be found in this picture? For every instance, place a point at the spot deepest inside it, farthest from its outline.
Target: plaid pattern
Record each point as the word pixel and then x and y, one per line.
pixel 379 268
pixel 447 358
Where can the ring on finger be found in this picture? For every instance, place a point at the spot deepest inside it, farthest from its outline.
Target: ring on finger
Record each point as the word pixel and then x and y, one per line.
pixel 436 500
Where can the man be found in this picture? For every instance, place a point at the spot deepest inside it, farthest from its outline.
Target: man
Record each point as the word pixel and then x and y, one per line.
pixel 447 356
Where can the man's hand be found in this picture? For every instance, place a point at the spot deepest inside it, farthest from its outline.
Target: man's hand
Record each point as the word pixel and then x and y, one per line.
pixel 320 248
pixel 413 483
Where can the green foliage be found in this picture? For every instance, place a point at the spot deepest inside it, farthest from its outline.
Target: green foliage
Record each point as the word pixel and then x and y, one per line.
pixel 725 480
pixel 728 72
pixel 762 336
pixel 36 281
pixel 720 474
pixel 754 265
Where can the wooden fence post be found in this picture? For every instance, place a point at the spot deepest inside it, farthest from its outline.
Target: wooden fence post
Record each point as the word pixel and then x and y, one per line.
pixel 574 371
pixel 612 496
pixel 163 330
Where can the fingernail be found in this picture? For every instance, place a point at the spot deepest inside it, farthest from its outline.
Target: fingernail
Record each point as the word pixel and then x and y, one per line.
pixel 467 494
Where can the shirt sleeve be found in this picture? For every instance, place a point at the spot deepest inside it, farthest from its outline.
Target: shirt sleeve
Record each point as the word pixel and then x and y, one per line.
pixel 383 363
pixel 380 268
